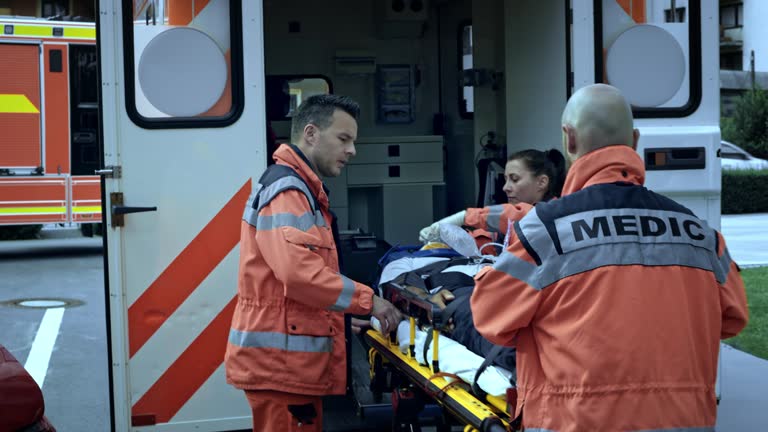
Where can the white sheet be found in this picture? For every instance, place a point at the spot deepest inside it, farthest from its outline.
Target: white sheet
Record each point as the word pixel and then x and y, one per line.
pixel 454 358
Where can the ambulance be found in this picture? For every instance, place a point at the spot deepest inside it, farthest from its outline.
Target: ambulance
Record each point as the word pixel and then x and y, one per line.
pixel 191 91
pixel 49 148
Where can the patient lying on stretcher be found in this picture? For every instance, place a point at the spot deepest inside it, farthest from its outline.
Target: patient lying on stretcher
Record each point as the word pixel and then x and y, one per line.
pixel 461 327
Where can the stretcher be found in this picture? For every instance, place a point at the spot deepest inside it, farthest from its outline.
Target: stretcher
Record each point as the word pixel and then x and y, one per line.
pixel 473 407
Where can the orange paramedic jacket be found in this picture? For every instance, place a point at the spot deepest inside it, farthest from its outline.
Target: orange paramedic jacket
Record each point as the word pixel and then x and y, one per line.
pixel 491 223
pixel 288 327
pixel 495 218
pixel 616 299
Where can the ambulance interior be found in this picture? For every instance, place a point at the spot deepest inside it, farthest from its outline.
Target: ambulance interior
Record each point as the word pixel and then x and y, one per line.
pixel 442 86
pixel 447 88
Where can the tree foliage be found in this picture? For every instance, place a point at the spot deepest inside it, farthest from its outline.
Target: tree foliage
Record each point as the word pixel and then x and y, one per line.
pixel 748 128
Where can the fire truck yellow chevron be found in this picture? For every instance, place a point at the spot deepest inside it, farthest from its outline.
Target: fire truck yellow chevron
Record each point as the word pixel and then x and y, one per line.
pixel 16 103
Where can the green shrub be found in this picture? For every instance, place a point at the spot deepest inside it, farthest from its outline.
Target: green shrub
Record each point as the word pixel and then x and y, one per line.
pixel 748 128
pixel 745 192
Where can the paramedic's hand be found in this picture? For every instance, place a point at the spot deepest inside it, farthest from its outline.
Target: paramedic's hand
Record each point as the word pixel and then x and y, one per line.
pixel 388 315
pixel 360 325
pixel 432 232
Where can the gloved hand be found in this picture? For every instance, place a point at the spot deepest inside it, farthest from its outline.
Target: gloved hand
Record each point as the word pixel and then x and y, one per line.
pixel 432 232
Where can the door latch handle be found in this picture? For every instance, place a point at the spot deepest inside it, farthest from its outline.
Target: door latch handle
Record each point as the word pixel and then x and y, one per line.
pixel 121 210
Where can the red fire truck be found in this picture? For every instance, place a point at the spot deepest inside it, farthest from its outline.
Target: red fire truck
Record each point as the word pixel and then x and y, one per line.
pixel 49 147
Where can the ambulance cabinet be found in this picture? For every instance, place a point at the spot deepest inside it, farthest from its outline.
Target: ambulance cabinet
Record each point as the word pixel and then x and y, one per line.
pixel 392 188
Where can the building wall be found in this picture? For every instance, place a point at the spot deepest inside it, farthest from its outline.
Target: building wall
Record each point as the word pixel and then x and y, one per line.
pixel 755 34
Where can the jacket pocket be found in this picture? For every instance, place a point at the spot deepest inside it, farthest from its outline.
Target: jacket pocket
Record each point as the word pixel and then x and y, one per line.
pixel 319 241
pixel 319 237
pixel 310 347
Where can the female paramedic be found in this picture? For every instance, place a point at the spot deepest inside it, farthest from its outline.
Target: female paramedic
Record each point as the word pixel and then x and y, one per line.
pixel 531 176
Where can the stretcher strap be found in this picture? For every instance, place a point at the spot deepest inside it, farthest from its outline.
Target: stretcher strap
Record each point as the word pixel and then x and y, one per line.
pixel 457 381
pixel 421 277
pixel 495 351
pixel 451 307
pixel 427 342
pixel 431 339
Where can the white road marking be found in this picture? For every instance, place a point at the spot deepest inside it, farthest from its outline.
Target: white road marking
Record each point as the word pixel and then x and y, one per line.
pixel 42 347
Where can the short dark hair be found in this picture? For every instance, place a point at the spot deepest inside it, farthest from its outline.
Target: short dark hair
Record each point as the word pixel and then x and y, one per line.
pixel 319 110
pixel 550 163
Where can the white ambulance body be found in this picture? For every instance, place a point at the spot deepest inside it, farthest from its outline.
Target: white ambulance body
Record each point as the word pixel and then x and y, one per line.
pixel 187 89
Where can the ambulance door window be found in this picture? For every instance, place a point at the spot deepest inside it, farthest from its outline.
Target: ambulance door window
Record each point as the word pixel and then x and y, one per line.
pixel 183 62
pixel 285 93
pixel 651 51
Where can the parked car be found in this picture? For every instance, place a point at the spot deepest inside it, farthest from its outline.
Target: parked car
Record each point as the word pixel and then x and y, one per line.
pixel 734 157
pixel 22 408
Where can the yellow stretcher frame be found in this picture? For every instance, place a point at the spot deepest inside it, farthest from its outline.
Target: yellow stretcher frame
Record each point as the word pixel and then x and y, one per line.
pixel 476 414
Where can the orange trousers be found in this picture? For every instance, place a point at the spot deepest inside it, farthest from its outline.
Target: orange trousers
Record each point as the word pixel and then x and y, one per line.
pixel 275 411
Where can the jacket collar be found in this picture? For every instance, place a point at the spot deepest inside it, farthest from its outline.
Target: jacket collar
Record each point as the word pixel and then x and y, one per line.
pixel 291 155
pixel 617 163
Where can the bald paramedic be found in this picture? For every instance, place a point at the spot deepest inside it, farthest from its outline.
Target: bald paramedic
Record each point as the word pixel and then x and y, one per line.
pixel 286 346
pixel 615 297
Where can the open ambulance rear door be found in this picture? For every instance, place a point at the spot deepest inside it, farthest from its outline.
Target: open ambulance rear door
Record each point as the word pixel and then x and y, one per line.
pixel 182 119
pixel 664 57
pixel 665 61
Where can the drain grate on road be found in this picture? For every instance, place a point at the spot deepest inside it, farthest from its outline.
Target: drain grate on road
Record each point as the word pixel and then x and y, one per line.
pixel 42 303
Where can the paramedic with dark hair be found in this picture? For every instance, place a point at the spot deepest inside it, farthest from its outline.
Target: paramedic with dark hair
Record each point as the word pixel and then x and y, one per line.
pixel 286 347
pixel 615 296
pixel 531 176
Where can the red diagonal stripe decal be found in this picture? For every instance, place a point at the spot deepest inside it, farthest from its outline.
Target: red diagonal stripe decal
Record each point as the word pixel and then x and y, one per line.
pixel 186 272
pixel 189 372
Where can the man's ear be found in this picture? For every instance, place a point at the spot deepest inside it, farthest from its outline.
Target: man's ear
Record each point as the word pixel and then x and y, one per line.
pixel 570 139
pixel 310 134
pixel 635 138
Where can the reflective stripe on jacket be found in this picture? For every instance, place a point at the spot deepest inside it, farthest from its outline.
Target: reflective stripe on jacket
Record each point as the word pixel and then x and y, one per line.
pixel 288 327
pixel 616 299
